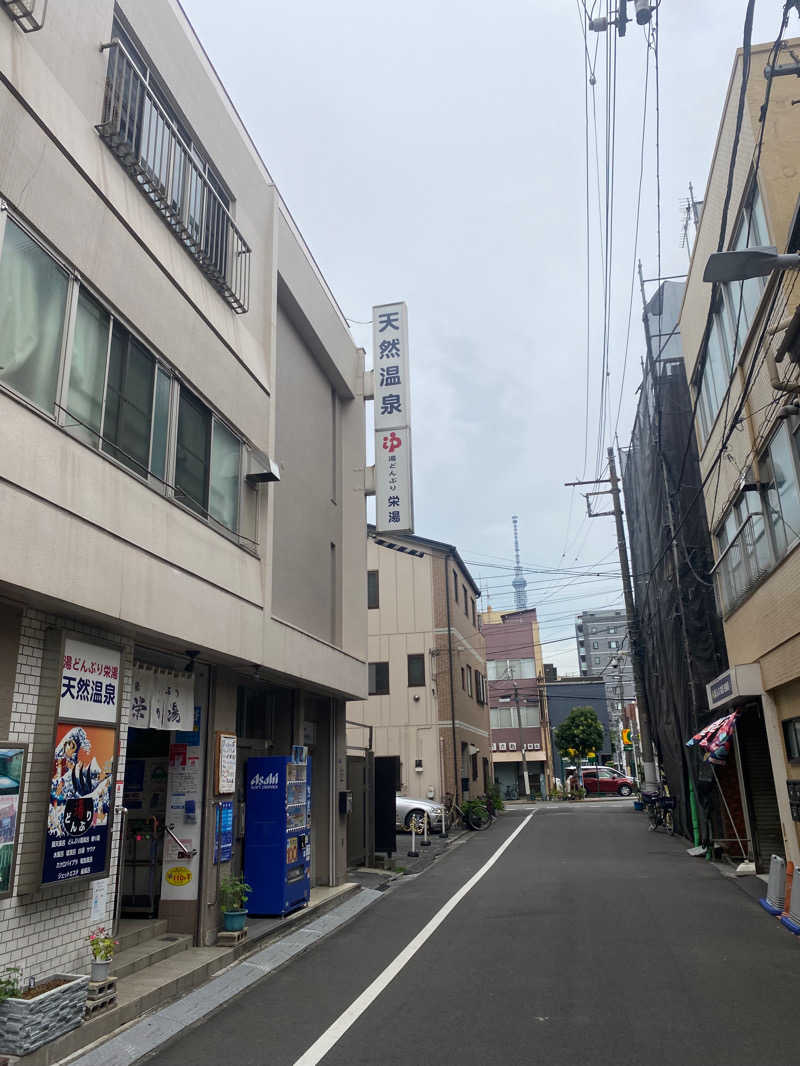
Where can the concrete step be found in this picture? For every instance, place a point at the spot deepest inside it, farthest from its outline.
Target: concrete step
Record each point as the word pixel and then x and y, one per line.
pixel 134 930
pixel 148 953
pixel 137 994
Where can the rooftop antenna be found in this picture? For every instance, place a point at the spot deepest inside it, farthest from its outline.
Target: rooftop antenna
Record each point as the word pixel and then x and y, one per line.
pixel 519 584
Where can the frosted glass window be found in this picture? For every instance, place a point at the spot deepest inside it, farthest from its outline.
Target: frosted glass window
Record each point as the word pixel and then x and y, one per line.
pixel 88 370
pixel 33 299
pixel 226 454
pixel 158 457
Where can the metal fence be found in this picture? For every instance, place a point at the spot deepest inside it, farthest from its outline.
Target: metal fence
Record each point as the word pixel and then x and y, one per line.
pixel 146 141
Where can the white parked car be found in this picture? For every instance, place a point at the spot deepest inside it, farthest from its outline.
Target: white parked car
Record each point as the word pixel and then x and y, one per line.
pixel 409 810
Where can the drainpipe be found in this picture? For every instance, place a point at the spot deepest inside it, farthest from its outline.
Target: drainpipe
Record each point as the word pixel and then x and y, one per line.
pixel 447 559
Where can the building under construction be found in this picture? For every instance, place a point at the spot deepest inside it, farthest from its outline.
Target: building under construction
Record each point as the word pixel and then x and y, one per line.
pixel 681 639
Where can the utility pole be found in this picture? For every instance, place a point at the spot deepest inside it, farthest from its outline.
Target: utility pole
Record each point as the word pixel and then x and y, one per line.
pixel 648 759
pixel 519 727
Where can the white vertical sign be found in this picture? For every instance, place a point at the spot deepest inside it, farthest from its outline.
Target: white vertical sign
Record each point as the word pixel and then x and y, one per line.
pixel 394 503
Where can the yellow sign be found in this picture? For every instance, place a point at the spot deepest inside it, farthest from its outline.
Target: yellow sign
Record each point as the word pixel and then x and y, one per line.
pixel 626 736
pixel 178 876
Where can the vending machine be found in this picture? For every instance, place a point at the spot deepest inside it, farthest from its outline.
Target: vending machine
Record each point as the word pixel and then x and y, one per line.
pixel 277 845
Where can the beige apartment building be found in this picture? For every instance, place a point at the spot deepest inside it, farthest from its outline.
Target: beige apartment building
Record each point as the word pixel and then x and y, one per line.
pixel 427 668
pixel 181 483
pixel 740 347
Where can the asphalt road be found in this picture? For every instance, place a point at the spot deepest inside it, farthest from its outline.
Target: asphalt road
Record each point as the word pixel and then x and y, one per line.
pixel 590 940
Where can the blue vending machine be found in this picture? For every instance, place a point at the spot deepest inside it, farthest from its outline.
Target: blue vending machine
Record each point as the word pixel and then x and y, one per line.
pixel 277 846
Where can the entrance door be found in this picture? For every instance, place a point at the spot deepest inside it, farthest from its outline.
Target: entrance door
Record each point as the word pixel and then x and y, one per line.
pixel 760 786
pixel 145 797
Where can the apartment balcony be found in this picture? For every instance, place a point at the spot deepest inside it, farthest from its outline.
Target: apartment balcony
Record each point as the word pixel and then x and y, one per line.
pixel 743 564
pixel 146 141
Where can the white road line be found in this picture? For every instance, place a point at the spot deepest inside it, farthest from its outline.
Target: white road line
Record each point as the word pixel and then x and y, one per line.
pixel 320 1048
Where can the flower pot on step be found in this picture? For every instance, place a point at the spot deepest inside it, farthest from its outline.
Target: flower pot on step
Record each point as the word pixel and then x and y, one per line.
pixel 26 1024
pixel 233 921
pixel 100 968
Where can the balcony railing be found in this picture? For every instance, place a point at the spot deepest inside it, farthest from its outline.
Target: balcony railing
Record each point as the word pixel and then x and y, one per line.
pixel 145 139
pixel 743 564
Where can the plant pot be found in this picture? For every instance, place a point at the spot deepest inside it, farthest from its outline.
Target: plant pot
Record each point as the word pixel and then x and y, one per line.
pixel 100 968
pixel 233 921
pixel 26 1024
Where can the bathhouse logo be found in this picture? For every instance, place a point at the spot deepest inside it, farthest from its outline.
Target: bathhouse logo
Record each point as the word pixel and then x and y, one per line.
pixel 260 781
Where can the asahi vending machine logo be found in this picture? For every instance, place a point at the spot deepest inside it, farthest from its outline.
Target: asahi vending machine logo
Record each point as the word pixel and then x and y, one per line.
pixel 264 781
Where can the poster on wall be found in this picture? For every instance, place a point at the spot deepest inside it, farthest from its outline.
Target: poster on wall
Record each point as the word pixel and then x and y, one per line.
pixel 182 844
pixel 226 764
pixel 12 767
pixel 77 839
pixel 90 682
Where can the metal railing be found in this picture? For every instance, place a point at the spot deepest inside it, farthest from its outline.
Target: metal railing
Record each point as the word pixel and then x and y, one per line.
pixel 743 564
pixel 29 15
pixel 146 141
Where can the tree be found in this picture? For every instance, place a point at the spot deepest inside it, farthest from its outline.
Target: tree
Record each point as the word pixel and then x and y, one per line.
pixel 579 735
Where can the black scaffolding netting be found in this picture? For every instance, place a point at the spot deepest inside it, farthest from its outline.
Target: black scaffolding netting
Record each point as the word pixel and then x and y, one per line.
pixel 681 639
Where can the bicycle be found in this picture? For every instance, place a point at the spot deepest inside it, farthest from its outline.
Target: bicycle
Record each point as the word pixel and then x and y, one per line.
pixel 475 814
pixel 659 806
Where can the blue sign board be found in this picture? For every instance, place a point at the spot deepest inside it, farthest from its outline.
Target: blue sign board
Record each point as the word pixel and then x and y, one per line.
pixel 223 840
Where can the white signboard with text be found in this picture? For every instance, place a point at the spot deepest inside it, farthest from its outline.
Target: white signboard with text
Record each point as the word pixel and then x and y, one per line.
pixel 394 504
pixel 90 680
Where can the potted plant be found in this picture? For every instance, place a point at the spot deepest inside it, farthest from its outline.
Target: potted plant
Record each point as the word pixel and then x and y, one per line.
pixel 233 894
pixel 34 1016
pixel 102 946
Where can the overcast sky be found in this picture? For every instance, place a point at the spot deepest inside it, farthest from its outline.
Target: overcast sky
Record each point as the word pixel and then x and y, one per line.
pixel 433 152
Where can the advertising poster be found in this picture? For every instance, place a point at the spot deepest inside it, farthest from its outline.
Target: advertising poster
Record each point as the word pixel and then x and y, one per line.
pixel 11 765
pixel 77 837
pixel 184 802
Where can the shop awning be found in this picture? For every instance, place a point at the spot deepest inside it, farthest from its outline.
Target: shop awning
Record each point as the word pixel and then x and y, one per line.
pixel 516 756
pixel 715 739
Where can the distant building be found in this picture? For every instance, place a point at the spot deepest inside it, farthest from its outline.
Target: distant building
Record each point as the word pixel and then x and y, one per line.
pixel 569 692
pixel 427 668
pixel 513 665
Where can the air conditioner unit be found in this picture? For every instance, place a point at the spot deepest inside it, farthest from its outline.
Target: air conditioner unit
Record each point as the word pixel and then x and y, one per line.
pixel 537 747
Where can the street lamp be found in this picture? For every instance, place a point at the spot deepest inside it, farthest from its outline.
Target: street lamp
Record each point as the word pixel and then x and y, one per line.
pixel 748 263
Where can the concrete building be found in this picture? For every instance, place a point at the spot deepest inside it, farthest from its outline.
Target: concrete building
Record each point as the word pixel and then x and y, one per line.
pixel 167 347
pixel 604 651
pixel 427 668
pixel 515 670
pixel 565 693
pixel 740 348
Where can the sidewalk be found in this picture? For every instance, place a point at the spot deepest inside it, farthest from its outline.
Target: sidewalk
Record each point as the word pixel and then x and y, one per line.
pixel 150 1013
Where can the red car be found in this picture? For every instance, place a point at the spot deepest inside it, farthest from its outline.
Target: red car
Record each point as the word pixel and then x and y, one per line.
pixel 612 782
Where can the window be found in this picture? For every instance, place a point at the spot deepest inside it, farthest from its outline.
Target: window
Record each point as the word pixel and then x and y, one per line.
pixel 612 629
pixel 791 738
pixel 475 767
pixel 743 297
pixel 33 304
pixel 613 645
pixel 466 604
pixel 474 622
pixel 715 374
pixel 780 481
pixel 502 746
pixel 469 681
pixel 455 586
pixel 512 745
pixel 508 669
pixel 416 671
pixel 597 660
pixel 378 679
pixel 595 644
pixel 116 395
pixel 500 718
pixel 143 129
pixel 373 598
pixel 463 680
pixel 531 716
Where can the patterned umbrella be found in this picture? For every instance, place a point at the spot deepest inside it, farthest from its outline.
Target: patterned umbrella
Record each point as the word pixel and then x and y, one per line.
pixel 715 739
